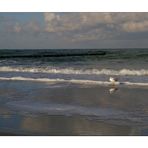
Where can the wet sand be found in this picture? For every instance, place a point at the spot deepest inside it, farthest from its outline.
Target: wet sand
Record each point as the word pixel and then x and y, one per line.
pixel 33 108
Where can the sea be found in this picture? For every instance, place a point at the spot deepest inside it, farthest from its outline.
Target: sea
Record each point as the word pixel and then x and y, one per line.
pixel 68 92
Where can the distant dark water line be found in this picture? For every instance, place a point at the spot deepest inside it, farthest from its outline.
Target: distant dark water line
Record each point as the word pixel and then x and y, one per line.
pixel 50 55
pixel 96 53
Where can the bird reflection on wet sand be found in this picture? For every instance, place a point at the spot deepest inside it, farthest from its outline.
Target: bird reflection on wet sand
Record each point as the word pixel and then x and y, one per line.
pixel 113 90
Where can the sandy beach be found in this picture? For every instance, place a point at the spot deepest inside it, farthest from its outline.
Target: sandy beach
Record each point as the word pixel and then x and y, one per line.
pixel 35 108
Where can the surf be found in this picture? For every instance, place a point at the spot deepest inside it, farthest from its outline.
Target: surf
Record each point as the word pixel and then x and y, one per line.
pixel 120 72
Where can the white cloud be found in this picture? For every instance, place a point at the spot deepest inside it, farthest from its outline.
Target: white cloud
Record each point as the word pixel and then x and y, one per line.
pixel 76 29
pixel 17 27
pixel 94 34
pixel 135 26
pixel 49 19
pixel 32 26
pixel 86 26
pixel 72 21
pixel 80 26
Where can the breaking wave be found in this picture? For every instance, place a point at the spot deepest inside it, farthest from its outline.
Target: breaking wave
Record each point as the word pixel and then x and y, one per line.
pixel 122 72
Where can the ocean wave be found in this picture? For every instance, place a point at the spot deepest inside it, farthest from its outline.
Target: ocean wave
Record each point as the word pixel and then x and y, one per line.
pixel 76 81
pixel 122 72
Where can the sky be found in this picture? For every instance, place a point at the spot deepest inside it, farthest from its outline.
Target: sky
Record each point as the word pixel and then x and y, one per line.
pixel 73 30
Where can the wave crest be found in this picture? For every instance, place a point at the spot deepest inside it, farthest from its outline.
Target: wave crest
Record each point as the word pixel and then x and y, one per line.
pixel 122 72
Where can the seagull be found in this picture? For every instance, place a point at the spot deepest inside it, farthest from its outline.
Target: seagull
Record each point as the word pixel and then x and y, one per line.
pixel 113 80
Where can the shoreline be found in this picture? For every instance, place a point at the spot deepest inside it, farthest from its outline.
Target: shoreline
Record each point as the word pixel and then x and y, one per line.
pixel 78 81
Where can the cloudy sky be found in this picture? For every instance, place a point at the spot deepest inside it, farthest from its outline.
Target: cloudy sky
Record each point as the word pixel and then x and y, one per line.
pixel 73 30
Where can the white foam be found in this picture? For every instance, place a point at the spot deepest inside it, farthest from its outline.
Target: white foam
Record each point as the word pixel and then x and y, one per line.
pixel 77 81
pixel 55 80
pixel 122 72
